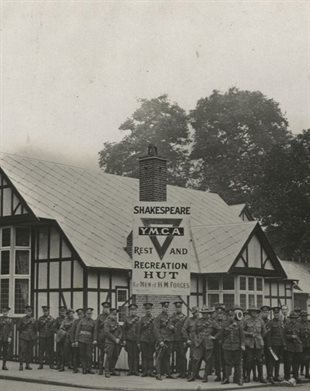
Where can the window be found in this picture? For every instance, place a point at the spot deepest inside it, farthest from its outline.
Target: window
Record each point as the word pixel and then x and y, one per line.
pixel 251 284
pixel 228 282
pixel 213 283
pixel 243 283
pixel 259 284
pixel 212 299
pixel 251 301
pixel 259 299
pixel 122 295
pixel 22 237
pixel 243 301
pixel 6 237
pixel 5 262
pixel 121 299
pixel 228 300
pixel 22 262
pixel 4 293
pixel 21 295
pixel 252 291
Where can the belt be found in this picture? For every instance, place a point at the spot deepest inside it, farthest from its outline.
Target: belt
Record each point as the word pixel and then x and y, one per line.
pixel 85 332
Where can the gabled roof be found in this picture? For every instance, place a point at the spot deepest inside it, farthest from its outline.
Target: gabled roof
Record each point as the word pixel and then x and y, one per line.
pixel 299 272
pixel 94 210
pixel 242 209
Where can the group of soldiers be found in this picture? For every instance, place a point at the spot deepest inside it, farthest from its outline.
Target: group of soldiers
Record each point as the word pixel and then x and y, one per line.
pixel 226 340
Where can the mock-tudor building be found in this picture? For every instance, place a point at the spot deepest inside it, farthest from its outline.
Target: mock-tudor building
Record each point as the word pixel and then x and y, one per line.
pixel 65 240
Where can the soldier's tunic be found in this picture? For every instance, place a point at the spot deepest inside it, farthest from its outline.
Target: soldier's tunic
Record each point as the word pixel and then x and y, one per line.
pixel 46 339
pixel 65 344
pixel 100 338
pixel 203 345
pixel 179 342
pixel 57 324
pixel 232 341
pixel 146 340
pixel 305 338
pixel 75 349
pixel 254 331
pixel 27 335
pixel 84 335
pixel 275 340
pixel 189 329
pixel 113 332
pixel 6 332
pixel 294 348
pixel 218 348
pixel 163 331
pixel 130 328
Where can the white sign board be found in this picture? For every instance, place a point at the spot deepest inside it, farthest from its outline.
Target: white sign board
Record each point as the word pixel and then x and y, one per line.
pixel 161 247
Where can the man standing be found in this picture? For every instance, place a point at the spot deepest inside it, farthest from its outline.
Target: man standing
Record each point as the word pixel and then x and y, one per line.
pixel 254 331
pixel 163 331
pixel 46 338
pixel 99 333
pixel 84 336
pixel 146 340
pixel 27 335
pixel 294 346
pixel 75 345
pixel 6 332
pixel 130 328
pixel 284 311
pixel 189 333
pixel 305 335
pixel 57 323
pixel 179 341
pixel 264 314
pixel 113 342
pixel 65 344
pixel 220 318
pixel 233 345
pixel 275 343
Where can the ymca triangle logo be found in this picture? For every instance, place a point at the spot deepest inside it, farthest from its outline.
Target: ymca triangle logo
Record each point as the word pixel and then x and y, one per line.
pixel 161 227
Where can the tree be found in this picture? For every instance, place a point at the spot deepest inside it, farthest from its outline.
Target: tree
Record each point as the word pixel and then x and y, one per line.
pixel 233 131
pixel 281 197
pixel 157 121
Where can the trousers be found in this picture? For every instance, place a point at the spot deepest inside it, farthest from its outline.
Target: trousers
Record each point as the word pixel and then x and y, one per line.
pixel 163 355
pixel 46 349
pixel 273 366
pixel 181 363
pixel 292 362
pixel 4 348
pixel 112 351
pixel 25 351
pixel 200 353
pixel 133 356
pixel 86 350
pixel 232 359
pixel 147 353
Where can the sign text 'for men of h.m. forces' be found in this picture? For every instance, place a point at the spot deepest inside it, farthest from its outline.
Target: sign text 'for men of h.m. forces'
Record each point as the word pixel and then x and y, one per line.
pixel 161 246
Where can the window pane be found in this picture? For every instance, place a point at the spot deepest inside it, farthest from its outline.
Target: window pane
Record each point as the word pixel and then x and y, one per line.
pixel 121 295
pixel 6 237
pixel 21 295
pixel 229 300
pixel 22 236
pixel 213 299
pixel 213 284
pixel 259 284
pixel 229 282
pixel 259 299
pixel 251 301
pixel 243 301
pixel 22 262
pixel 4 293
pixel 5 262
pixel 243 283
pixel 251 283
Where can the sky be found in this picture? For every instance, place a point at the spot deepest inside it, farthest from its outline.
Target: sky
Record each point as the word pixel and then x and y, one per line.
pixel 73 71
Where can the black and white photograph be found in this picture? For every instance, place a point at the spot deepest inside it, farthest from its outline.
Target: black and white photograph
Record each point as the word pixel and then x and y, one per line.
pixel 154 195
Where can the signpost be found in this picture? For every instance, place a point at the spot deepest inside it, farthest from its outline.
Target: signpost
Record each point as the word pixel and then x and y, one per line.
pixel 161 247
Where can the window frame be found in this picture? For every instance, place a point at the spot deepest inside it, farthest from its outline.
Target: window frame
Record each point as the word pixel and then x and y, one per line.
pixel 247 292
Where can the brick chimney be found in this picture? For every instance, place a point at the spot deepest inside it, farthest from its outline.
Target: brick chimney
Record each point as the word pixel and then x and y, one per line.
pixel 153 176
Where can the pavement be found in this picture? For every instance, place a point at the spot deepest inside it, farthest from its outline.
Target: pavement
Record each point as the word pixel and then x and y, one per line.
pixel 115 383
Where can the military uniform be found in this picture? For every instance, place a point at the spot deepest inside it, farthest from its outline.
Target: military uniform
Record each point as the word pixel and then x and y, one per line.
pixel 75 347
pixel 146 341
pixel 113 342
pixel 177 320
pixel 294 347
pixel 163 331
pixel 188 331
pixel 57 323
pixel 130 328
pixel 220 319
pixel 6 332
pixel 254 331
pixel 27 335
pixel 100 335
pixel 84 335
pixel 46 340
pixel 305 338
pixel 65 343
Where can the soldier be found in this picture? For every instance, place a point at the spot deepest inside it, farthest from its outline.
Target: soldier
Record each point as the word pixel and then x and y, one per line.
pixel 99 333
pixel 203 337
pixel 113 342
pixel 275 343
pixel 58 321
pixel 264 314
pixel 254 331
pixel 27 335
pixel 6 332
pixel 45 326
pixel 220 318
pixel 65 343
pixel 84 336
pixel 233 344
pixel 146 340
pixel 305 337
pixel 179 341
pixel 284 311
pixel 293 353
pixel 75 345
pixel 189 329
pixel 130 328
pixel 163 331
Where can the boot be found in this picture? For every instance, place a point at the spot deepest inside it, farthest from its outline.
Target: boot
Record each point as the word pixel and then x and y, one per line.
pixel 100 368
pixel 21 368
pixel 4 367
pixel 226 380
pixel 28 367
pixel 205 379
pixel 40 366
pixel 260 374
